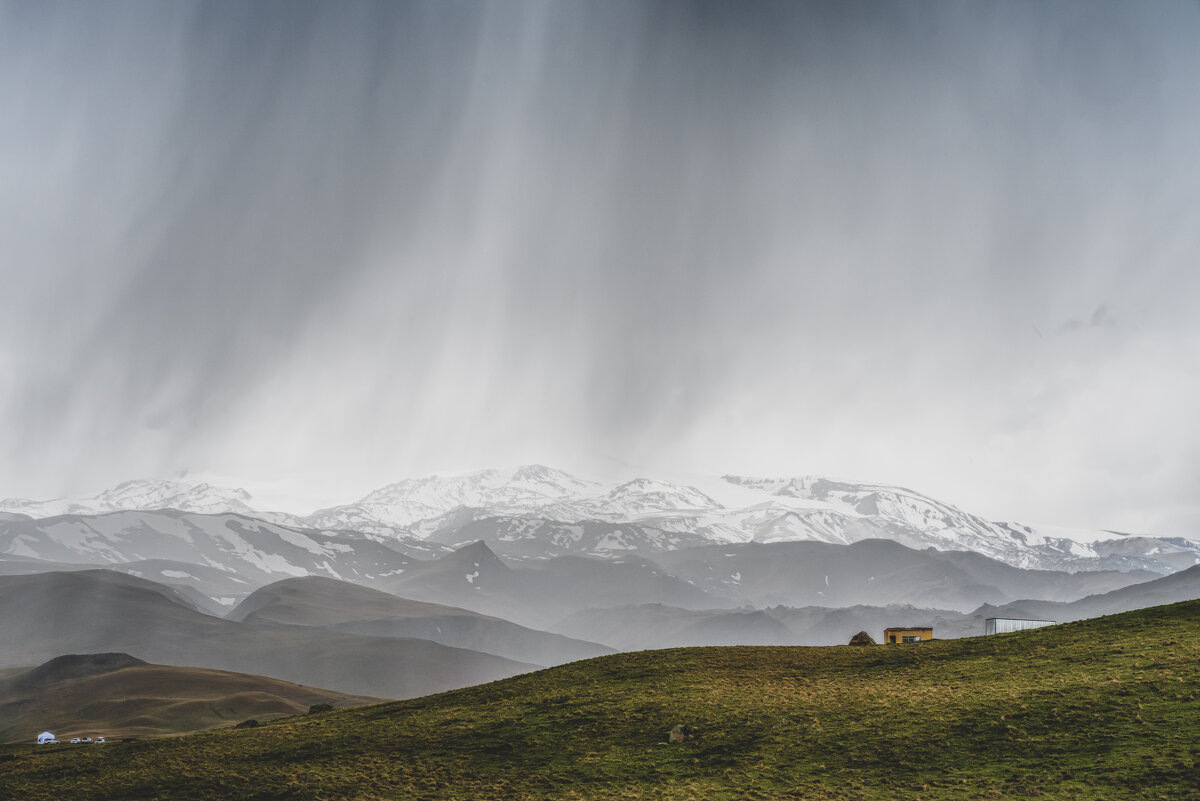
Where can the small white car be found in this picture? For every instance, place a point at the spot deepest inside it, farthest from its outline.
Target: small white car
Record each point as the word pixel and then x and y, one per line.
pixel 75 741
pixel 99 739
pixel 86 740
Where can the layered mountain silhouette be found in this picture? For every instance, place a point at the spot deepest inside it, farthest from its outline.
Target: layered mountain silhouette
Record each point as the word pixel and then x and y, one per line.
pixel 873 572
pixel 51 614
pixel 340 606
pixel 441 581
pixel 637 627
pixel 473 577
pixel 224 556
pixel 1181 586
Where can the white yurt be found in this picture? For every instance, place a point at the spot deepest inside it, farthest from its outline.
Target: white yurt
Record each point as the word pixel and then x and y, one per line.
pixel 46 737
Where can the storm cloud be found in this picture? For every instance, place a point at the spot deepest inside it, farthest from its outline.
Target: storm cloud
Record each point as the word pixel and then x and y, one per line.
pixel 324 246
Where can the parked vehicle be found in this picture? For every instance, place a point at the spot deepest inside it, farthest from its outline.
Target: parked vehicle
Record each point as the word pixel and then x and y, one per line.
pixel 75 741
pixel 86 740
pixel 99 739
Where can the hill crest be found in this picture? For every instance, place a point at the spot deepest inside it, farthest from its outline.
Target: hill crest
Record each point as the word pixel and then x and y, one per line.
pixel 75 666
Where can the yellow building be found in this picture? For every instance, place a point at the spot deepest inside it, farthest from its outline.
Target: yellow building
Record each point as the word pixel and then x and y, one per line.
pixel 911 634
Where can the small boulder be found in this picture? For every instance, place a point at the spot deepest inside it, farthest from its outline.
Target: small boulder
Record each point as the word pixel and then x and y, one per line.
pixel 248 724
pixel 320 708
pixel 681 734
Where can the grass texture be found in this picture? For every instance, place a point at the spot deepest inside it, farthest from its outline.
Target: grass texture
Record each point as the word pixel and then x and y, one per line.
pixel 1098 709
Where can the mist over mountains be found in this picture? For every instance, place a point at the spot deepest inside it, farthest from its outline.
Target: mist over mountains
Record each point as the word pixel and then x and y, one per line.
pixel 442 581
pixel 777 322
pixel 538 511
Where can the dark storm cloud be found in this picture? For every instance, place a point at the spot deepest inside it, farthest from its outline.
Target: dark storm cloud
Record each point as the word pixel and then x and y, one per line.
pixel 260 170
pixel 393 237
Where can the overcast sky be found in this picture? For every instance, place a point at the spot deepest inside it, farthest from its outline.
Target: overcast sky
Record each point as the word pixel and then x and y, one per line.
pixel 315 248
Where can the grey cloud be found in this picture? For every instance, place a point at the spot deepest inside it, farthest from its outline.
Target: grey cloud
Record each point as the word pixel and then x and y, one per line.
pixel 386 238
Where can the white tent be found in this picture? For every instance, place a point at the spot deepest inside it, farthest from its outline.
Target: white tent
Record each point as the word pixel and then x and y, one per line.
pixel 46 737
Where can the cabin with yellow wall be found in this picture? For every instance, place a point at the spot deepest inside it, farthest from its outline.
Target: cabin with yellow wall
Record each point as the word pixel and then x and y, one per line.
pixel 910 634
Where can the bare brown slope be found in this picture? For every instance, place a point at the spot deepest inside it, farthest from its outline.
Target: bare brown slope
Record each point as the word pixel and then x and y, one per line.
pixel 116 695
pixel 45 615
pixel 327 603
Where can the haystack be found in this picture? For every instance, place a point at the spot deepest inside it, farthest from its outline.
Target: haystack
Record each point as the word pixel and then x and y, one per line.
pixel 862 638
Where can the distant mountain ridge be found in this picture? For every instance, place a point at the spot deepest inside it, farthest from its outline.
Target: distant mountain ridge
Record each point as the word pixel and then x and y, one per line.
pixel 141 495
pixel 645 626
pixel 224 556
pixel 536 511
pixel 93 611
pixel 342 606
pixel 432 583
pixel 404 503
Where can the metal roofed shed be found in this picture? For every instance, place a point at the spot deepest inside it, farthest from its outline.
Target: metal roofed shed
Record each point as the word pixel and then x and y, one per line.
pixel 1007 625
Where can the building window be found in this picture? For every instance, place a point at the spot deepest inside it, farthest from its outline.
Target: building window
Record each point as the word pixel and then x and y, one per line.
pixel 909 639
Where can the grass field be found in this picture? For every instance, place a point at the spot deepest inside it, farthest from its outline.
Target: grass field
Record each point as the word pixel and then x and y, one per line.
pixel 1099 709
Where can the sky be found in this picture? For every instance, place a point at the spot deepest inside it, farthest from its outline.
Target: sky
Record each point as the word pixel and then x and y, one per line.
pixel 312 248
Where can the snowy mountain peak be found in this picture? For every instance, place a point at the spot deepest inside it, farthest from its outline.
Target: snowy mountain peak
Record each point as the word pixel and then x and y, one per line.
pixel 141 494
pixel 768 485
pixel 648 494
pixel 174 495
pixel 551 481
pixel 638 500
pixel 519 507
pixel 522 489
pixel 488 486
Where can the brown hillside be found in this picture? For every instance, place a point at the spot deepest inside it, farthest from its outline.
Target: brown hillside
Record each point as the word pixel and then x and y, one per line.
pixel 115 695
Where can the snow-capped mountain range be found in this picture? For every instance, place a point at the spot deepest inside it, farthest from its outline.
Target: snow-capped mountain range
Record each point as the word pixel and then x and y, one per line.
pixel 397 506
pixel 224 556
pixel 534 511
pixel 140 495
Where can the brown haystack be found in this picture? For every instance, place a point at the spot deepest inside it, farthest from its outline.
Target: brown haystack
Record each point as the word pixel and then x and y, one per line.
pixel 862 638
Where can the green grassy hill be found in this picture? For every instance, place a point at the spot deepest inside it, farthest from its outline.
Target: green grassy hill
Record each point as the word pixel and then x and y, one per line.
pixel 1099 709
